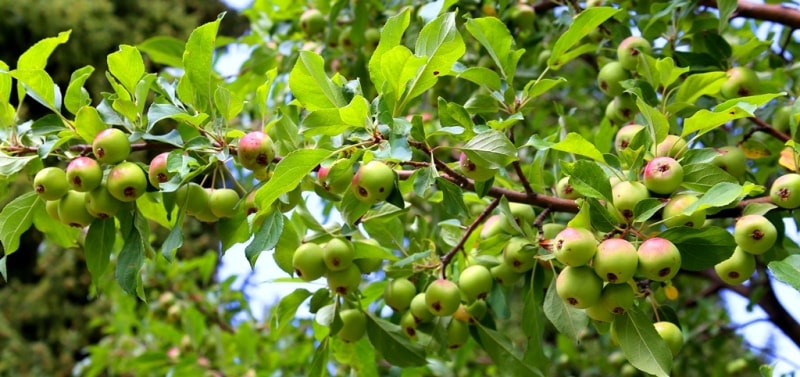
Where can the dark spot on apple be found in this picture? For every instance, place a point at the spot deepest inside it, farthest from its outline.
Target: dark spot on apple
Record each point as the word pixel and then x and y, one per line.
pixel 363 192
pixel 40 188
pixel 482 296
pixel 76 181
pixel 336 261
pixel 261 159
pixel 664 271
pixel 298 272
pixel 437 306
pixel 436 73
pixel 410 331
pixel 572 301
pixel 611 277
pixel 100 152
pixel 757 234
pixel 161 177
pixel 129 192
pixel 733 275
pixel 618 310
pixel 381 189
pixel 783 193
pixel 341 290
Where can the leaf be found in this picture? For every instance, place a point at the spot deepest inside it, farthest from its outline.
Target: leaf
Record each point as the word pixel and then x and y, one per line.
pixel 10 165
pixel 265 238
pixel 568 320
pixel 503 354
pixel 787 270
pixel 311 85
pixel 576 144
pixel 286 309
pixel 641 344
pixel 719 195
pixel 319 362
pixel 536 88
pixel 586 22
pixel 701 248
pixel 198 60
pixel 76 96
pixel 39 85
pixel 391 36
pixel 645 209
pixel 589 179
pixel 701 177
pixel 453 197
pixel 481 76
pixel 130 262
pixel 441 43
pixel 88 123
pixel 656 121
pixel 127 65
pixel 228 103
pixel 288 242
pixel 100 238
pixel 36 56
pixel 335 121
pixel 495 37
pixel 174 239
pixel 393 345
pixel 698 85
pixel 16 218
pixel 288 174
pixel 399 67
pixel 704 121
pixel 164 50
pixel 490 149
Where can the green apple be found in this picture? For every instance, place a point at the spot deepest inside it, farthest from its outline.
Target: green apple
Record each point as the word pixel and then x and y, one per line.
pixel 755 234
pixel 84 174
pixel 307 262
pixel 126 181
pixel 475 282
pixel 629 50
pixel 738 268
pixel 399 293
pixel 741 82
pixel 574 246
pixel 785 191
pixel 111 146
pixel 610 77
pixel 663 175
pixel 373 182
pixel 659 259
pixel 51 183
pixel 673 212
pixel 442 297
pixel 579 286
pixel 616 260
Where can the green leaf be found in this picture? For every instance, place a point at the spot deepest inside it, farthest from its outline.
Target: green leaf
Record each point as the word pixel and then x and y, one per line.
pixel 130 262
pixel 288 242
pixel 601 219
pixel 490 149
pixel 726 9
pixel 701 248
pixel 453 197
pixel 586 22
pixel 698 85
pixel 576 144
pixel 504 355
pixel 481 76
pixel 265 238
pixel 228 103
pixel 10 165
pixel 16 218
pixel 164 50
pixel 76 96
pixel 440 42
pixel 286 310
pixel 568 320
pixel 36 56
pixel 400 66
pixel 319 363
pixel 391 36
pixel 719 195
pixel 641 344
pixel 288 174
pixel 127 65
pixel 787 270
pixel 311 85
pixel 495 37
pixel 536 88
pixel 174 239
pixel 335 121
pixel 647 208
pixel 701 177
pixel 198 60
pixel 101 236
pixel 39 85
pixel 88 123
pixel 655 120
pixel 589 179
pixel 393 345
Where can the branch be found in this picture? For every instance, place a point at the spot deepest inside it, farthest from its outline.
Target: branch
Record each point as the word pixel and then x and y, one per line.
pixel 471 228
pixel 766 127
pixel 765 12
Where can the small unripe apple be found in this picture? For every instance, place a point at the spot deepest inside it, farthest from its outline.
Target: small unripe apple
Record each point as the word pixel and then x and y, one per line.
pixel 523 16
pixel 399 293
pixel 344 281
pixel 51 206
pixel 475 282
pixel 256 150
pixel 419 308
pixel 672 146
pixel 755 234
pixel 206 215
pixel 519 255
pixel 732 160
pixel 111 146
pixel 457 334
pixel 312 22
pixel 477 310
pixel 626 195
pixel 249 206
pixel 575 246
pixel 565 190
pixel 738 268
pixel 673 212
pixel 475 172
pixel 100 203
pixel 373 182
pixel 671 334
pixel 338 254
pixel 409 324
pixel 51 183
pixel 193 197
pixel 785 191
pixel 625 135
pixel 663 175
pixel 579 286
pixel 157 172
pixel 307 262
pixel 622 109
pixel 84 174
pixel 442 297
pixel 354 325
pixel 599 313
pixel 72 210
pixel 551 230
pixel 126 181
pixel 492 226
pixel 504 273
pixel 629 50
pixel 372 37
pixel 617 298
pixel 610 77
pixel 521 214
pixel 741 82
pixel 616 260
pixel 337 177
pixel 222 202
pixel 659 259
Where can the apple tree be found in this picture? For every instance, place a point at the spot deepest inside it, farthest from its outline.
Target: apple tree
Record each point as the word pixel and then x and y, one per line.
pixel 491 177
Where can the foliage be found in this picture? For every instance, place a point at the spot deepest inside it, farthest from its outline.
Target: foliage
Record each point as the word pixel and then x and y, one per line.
pixel 450 126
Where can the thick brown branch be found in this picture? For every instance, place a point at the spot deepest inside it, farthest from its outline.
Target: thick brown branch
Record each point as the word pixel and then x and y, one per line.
pixel 766 127
pixel 765 12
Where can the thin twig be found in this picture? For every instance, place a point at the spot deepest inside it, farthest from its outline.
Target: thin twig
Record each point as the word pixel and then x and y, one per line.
pixel 766 127
pixel 445 260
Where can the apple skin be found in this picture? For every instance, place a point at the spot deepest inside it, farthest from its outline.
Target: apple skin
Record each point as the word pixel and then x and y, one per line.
pixel 457 334
pixel 51 183
pixel 579 286
pixel 519 254
pixel 565 190
pixel 521 213
pixel 307 262
pixel 755 234
pixel 663 175
pixel 193 197
pixel 340 181
pixel 616 260
pixel 622 109
pixel 256 150
pixel 100 203
pixel 474 172
pixel 373 182
pixel 617 298
pixel 312 22
pixel 659 259
pixel 672 146
pixel 338 254
pixel 157 172
pixel 738 268
pixel 111 146
pixel 574 246
pixel 126 181
pixel 345 281
pixel 629 50
pixel 399 293
pixel 609 78
pixel 84 174
pixel 419 309
pixel 475 282
pixel 505 274
pixel 625 135
pixel 732 160
pixel 785 191
pixel 741 82
pixel 354 325
pixel 222 202
pixel 672 212
pixel 442 297
pixel 626 195
pixel 72 209
pixel 671 334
